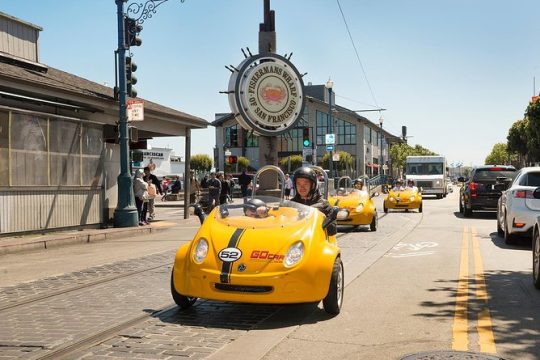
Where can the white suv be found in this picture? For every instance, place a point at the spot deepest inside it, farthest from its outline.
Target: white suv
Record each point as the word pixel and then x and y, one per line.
pixel 517 208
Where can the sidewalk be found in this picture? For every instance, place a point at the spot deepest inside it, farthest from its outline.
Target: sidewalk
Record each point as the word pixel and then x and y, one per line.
pixel 46 240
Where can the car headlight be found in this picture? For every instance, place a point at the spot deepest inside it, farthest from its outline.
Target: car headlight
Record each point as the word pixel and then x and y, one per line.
pixel 359 208
pixel 294 254
pixel 391 199
pixel 412 198
pixel 201 250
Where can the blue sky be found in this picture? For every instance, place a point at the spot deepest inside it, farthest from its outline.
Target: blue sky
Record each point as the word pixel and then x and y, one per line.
pixel 456 73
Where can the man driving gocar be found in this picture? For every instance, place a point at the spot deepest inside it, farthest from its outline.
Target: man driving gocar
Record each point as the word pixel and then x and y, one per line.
pixel 410 186
pixel 307 193
pixel 358 186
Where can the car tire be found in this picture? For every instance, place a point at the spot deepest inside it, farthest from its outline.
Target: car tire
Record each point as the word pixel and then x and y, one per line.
pixel 461 208
pixel 182 301
pixel 536 258
pixel 373 224
pixel 499 228
pixel 508 237
pixel 334 299
pixel 420 209
pixel 466 212
pixel 385 209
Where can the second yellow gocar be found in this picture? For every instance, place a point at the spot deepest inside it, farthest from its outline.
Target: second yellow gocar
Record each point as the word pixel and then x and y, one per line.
pixel 356 207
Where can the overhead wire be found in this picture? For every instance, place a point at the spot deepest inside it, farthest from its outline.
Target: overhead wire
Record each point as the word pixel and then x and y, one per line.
pixel 357 55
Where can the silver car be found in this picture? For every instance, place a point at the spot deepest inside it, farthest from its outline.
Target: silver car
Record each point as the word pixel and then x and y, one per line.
pixel 517 208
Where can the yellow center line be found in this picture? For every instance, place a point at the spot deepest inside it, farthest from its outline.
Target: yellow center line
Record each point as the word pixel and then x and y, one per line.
pixel 460 339
pixel 486 339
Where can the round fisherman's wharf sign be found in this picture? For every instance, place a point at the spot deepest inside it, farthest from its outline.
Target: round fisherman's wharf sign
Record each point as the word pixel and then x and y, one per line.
pixel 267 94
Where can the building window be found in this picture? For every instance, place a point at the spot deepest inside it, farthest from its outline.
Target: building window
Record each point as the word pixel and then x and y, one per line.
pixel 367 135
pixel 231 136
pixel 344 130
pixel 251 140
pixel 49 151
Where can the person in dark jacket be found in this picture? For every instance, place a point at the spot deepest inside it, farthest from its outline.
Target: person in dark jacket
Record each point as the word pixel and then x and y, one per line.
pixel 244 180
pixel 225 188
pixel 307 193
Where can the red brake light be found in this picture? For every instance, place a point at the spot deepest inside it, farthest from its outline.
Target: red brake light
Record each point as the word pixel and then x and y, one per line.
pixel 523 194
pixel 472 186
pixel 496 169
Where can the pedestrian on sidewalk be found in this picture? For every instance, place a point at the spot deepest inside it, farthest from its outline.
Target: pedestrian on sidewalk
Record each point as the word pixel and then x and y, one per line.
pixel 214 190
pixel 152 191
pixel 225 189
pixel 140 190
pixel 194 188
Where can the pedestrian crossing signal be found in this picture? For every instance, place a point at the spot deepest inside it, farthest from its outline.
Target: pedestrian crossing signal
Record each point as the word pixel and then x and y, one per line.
pixel 307 140
pixel 231 159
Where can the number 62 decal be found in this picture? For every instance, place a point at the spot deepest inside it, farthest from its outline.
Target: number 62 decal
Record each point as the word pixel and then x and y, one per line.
pixel 230 254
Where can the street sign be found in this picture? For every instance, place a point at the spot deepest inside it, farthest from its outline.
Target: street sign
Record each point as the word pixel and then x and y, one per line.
pixel 228 153
pixel 135 110
pixel 330 139
pixel 329 147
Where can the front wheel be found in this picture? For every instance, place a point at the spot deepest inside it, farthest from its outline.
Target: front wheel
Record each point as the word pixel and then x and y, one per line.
pixel 536 258
pixel 373 225
pixel 385 209
pixel 182 301
pixel 508 236
pixel 334 299
pixel 420 209
pixel 500 230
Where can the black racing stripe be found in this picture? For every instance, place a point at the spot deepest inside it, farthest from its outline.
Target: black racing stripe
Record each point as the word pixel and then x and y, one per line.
pixel 226 268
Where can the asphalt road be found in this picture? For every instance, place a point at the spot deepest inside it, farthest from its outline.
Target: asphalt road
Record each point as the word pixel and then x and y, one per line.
pixel 422 282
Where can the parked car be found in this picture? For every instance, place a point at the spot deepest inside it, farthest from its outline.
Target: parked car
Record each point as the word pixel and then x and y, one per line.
pixel 478 192
pixel 536 246
pixel 517 208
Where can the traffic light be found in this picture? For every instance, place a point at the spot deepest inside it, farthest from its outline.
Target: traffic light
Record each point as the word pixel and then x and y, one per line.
pixel 231 159
pixel 132 30
pixel 307 141
pixel 131 80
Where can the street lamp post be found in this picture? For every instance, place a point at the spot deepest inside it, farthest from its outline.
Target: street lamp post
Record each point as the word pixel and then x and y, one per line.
pixel 329 85
pixel 381 159
pixel 125 213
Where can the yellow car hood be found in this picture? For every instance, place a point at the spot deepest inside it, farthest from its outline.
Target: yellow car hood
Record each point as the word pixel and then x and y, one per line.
pixel 257 244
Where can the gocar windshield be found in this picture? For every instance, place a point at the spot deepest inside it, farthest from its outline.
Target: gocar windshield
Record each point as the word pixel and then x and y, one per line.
pixel 264 213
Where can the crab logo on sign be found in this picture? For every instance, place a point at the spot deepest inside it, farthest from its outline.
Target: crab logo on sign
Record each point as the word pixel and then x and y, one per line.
pixel 266 94
pixel 230 254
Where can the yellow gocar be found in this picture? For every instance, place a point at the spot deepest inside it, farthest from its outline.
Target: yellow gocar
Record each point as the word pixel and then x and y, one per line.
pixel 284 257
pixel 404 199
pixel 355 208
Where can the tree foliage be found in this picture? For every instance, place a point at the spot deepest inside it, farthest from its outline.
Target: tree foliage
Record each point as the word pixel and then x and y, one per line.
pixel 290 163
pixel 200 162
pixel 344 164
pixel 499 155
pixel 532 115
pixel 243 163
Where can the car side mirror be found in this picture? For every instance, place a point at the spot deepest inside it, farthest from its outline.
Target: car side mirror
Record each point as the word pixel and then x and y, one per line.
pixel 536 193
pixel 331 217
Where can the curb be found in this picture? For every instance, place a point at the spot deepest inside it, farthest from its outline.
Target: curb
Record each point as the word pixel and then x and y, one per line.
pixel 21 245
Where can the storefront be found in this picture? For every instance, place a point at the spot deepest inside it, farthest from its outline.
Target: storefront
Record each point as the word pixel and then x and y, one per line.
pixel 59 152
